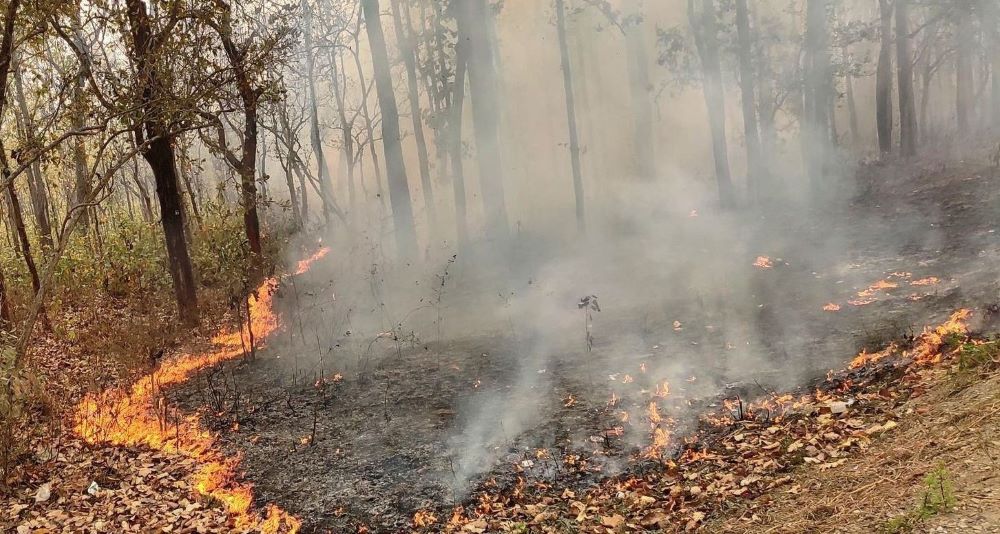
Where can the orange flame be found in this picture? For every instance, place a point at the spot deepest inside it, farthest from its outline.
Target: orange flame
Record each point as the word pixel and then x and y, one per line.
pixel 927 349
pixel 763 262
pixel 305 264
pixel 136 415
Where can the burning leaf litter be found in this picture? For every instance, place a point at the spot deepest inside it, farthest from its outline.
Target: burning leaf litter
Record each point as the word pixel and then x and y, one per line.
pixel 736 454
pixel 135 416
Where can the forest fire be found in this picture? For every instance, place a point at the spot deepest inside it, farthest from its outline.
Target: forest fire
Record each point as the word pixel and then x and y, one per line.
pixel 137 415
pixel 927 349
pixel 304 265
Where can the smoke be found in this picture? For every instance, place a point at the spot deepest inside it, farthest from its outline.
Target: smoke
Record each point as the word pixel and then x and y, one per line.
pixel 681 300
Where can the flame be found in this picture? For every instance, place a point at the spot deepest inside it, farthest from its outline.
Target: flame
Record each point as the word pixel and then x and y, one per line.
pixel 927 349
pixel 136 415
pixel 763 262
pixel 424 518
pixel 305 264
pixel 929 344
pixel 929 281
pixel 662 390
pixel 660 435
pixel 831 307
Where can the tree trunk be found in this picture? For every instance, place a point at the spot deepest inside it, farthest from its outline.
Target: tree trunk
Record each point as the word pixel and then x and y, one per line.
pixel 819 94
pixel 146 202
pixel 751 132
pixel 162 161
pixel 288 164
pixel 991 21
pixel 883 80
pixel 852 106
pixel 399 190
pixel 325 187
pixel 245 163
pixel 36 180
pixel 706 40
pixel 642 105
pixel 23 244
pixel 963 71
pixel 80 166
pixel 366 113
pixel 6 318
pixel 474 29
pixel 346 127
pixel 404 35
pixel 455 145
pixel 904 71
pixel 574 137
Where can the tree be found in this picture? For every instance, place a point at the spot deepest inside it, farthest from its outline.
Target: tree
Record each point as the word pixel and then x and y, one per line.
pixel 904 72
pixel 399 190
pixel 633 26
pixel 474 33
pixel 574 137
pixel 705 31
pixel 248 62
pixel 818 93
pixel 964 54
pixel 751 132
pixel 407 51
pixel 147 53
pixel 883 80
pixel 323 173
pixel 36 180
pixel 455 144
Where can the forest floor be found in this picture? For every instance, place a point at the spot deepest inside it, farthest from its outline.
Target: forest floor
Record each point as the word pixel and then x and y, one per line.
pixel 348 439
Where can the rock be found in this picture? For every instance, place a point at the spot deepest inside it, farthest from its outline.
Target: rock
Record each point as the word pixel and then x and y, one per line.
pixel 44 492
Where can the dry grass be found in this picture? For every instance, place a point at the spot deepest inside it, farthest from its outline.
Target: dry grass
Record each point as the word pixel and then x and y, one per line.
pixel 955 424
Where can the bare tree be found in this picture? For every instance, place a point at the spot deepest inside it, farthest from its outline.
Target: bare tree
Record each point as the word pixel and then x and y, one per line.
pixel 399 191
pixel 407 50
pixel 474 31
pixel 705 30
pixel 574 136
pixel 904 72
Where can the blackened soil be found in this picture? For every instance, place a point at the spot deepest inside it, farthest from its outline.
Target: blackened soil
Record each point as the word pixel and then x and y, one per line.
pixel 368 431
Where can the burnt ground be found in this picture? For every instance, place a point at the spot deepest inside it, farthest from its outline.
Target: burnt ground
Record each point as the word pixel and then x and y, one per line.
pixel 344 428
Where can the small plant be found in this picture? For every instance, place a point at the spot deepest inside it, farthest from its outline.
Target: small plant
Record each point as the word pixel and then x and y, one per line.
pixel 975 355
pixel 938 498
pixel 439 291
pixel 589 305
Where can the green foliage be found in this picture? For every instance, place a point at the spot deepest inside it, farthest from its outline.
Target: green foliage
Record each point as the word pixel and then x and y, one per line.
pixel 220 253
pixel 938 498
pixel 129 262
pixel 975 355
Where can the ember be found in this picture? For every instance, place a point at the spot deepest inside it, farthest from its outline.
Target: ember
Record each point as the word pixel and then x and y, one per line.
pixel 763 262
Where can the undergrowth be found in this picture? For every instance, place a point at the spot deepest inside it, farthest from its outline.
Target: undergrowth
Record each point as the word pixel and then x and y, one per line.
pixel 938 498
pixel 112 312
